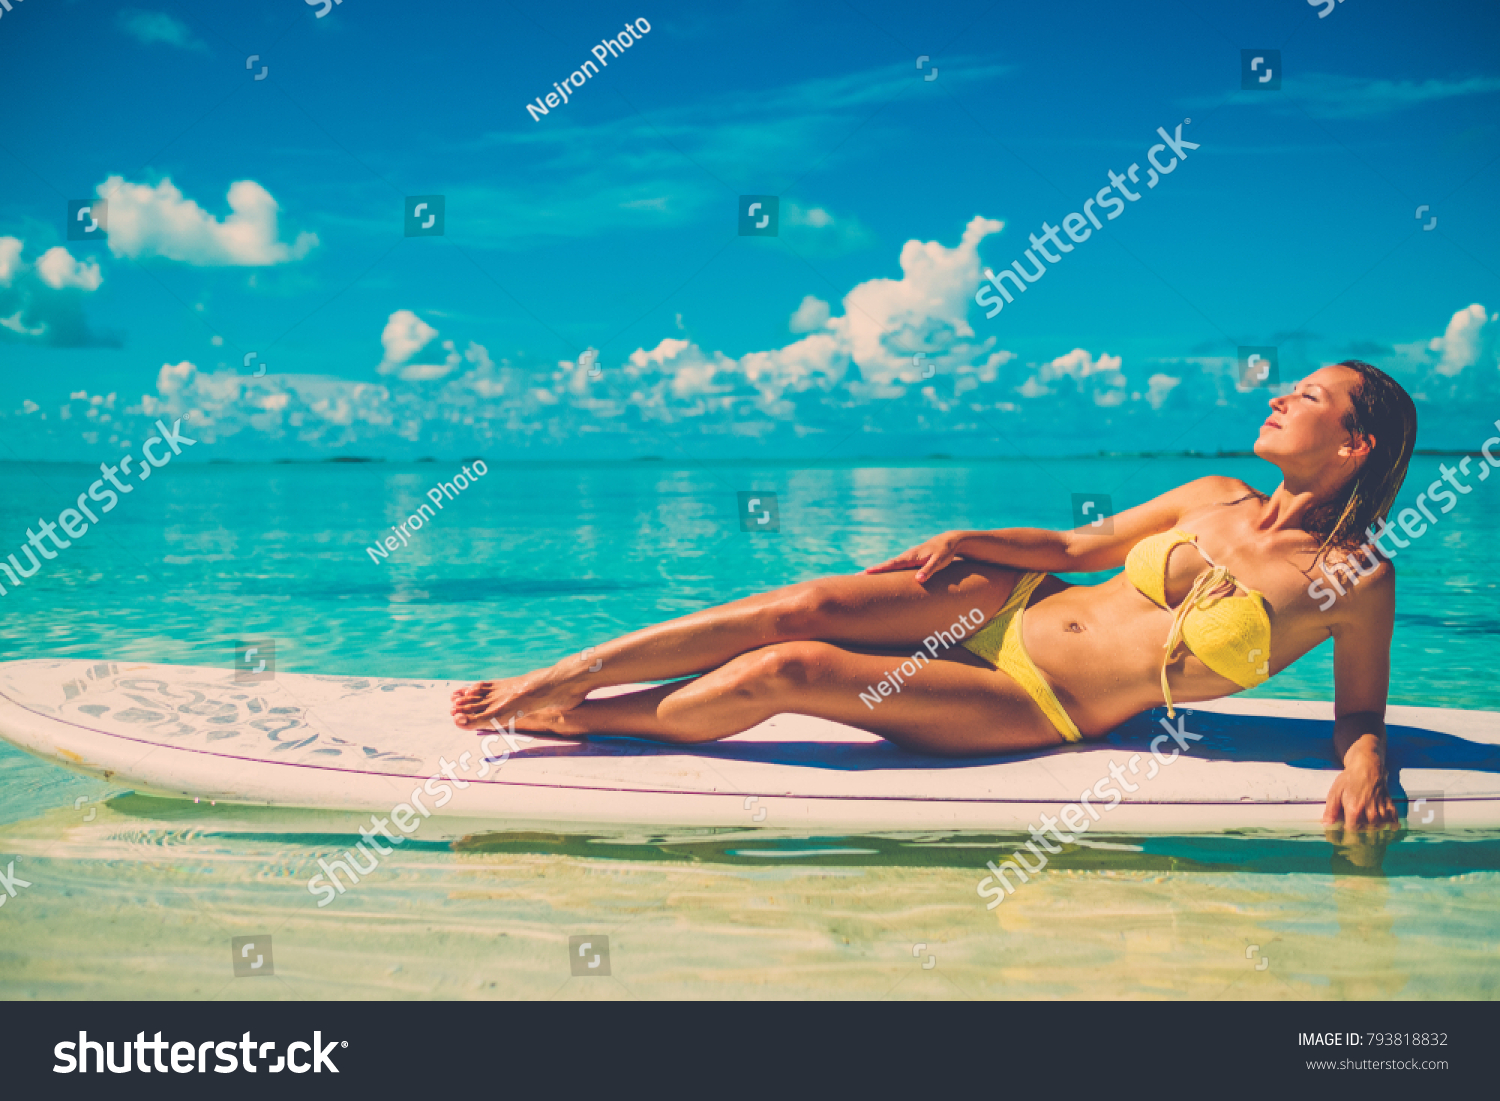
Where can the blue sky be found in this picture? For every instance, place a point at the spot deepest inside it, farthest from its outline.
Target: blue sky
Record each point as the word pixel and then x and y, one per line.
pixel 591 296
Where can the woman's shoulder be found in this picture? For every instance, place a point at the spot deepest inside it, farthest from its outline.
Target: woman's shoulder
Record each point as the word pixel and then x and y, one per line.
pixel 1216 491
pixel 1364 579
pixel 1371 568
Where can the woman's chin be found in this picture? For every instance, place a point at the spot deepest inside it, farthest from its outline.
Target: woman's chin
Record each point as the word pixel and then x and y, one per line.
pixel 1264 447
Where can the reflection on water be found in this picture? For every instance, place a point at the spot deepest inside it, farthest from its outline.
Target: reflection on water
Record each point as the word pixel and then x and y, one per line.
pixel 143 900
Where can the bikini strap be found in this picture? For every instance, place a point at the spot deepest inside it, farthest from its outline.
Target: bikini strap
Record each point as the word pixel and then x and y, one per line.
pixel 1208 588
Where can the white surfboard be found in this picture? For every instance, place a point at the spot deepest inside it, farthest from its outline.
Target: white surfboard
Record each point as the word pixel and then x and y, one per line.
pixel 368 744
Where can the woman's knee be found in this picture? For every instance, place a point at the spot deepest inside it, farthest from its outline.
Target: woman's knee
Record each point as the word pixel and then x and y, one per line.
pixel 807 610
pixel 757 685
pixel 780 668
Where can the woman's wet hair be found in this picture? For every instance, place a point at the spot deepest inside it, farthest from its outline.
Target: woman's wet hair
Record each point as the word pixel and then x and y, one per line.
pixel 1381 409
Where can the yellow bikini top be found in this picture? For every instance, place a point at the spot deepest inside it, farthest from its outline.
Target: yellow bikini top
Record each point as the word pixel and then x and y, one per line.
pixel 1230 634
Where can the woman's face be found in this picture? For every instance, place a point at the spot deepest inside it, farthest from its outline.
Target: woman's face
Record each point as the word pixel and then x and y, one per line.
pixel 1305 429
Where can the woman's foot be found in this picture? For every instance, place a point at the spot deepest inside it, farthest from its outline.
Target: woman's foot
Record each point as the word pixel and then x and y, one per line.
pixel 534 696
pixel 551 722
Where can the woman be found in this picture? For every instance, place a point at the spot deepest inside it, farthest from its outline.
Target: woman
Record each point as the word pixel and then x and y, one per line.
pixel 1214 598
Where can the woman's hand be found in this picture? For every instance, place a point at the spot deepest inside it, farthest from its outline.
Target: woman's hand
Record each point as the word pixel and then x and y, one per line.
pixel 926 558
pixel 1359 798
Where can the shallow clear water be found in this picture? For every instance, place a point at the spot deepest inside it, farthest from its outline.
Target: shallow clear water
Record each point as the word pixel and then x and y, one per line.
pixel 139 897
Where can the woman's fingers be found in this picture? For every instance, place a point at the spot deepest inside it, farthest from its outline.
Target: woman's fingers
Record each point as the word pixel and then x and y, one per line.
pixel 1333 807
pixel 938 560
pixel 901 562
pixel 1356 815
pixel 928 558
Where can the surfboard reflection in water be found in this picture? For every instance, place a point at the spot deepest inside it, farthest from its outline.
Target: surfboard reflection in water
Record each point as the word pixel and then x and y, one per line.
pixel 150 879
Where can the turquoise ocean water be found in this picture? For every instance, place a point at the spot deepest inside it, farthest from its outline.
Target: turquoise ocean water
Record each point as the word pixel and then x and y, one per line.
pixel 140 897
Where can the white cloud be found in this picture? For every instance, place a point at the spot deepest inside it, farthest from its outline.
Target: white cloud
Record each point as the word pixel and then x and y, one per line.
pixel 148 27
pixel 1158 387
pixel 160 221
pixel 222 404
pixel 173 378
pixel 808 216
pixel 1080 364
pixel 424 372
pixel 1462 342
pixel 479 355
pixel 18 326
pixel 1446 365
pixel 850 375
pixel 1330 95
pixel 866 354
pixel 886 321
pixel 429 372
pixel 811 314
pixel 105 400
pixel 578 191
pixel 10 259
pixel 58 269
pixel 1101 379
pixel 405 335
pixel 667 350
pixel 1339 96
pixel 818 232
pixel 871 349
pixel 41 302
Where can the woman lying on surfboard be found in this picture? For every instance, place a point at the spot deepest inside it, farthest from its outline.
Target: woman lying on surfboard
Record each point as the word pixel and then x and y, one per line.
pixel 1214 598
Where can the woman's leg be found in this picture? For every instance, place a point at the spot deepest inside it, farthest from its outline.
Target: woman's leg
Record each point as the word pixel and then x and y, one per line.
pixel 947 707
pixel 887 609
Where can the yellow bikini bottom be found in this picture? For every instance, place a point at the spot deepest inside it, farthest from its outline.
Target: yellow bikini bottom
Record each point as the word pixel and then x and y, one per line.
pixel 999 643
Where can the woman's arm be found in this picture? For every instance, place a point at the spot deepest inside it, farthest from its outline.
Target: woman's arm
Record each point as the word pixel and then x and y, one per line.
pixel 1079 551
pixel 1361 679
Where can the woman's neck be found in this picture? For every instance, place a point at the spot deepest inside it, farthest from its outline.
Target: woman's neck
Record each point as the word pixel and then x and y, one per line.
pixel 1287 507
